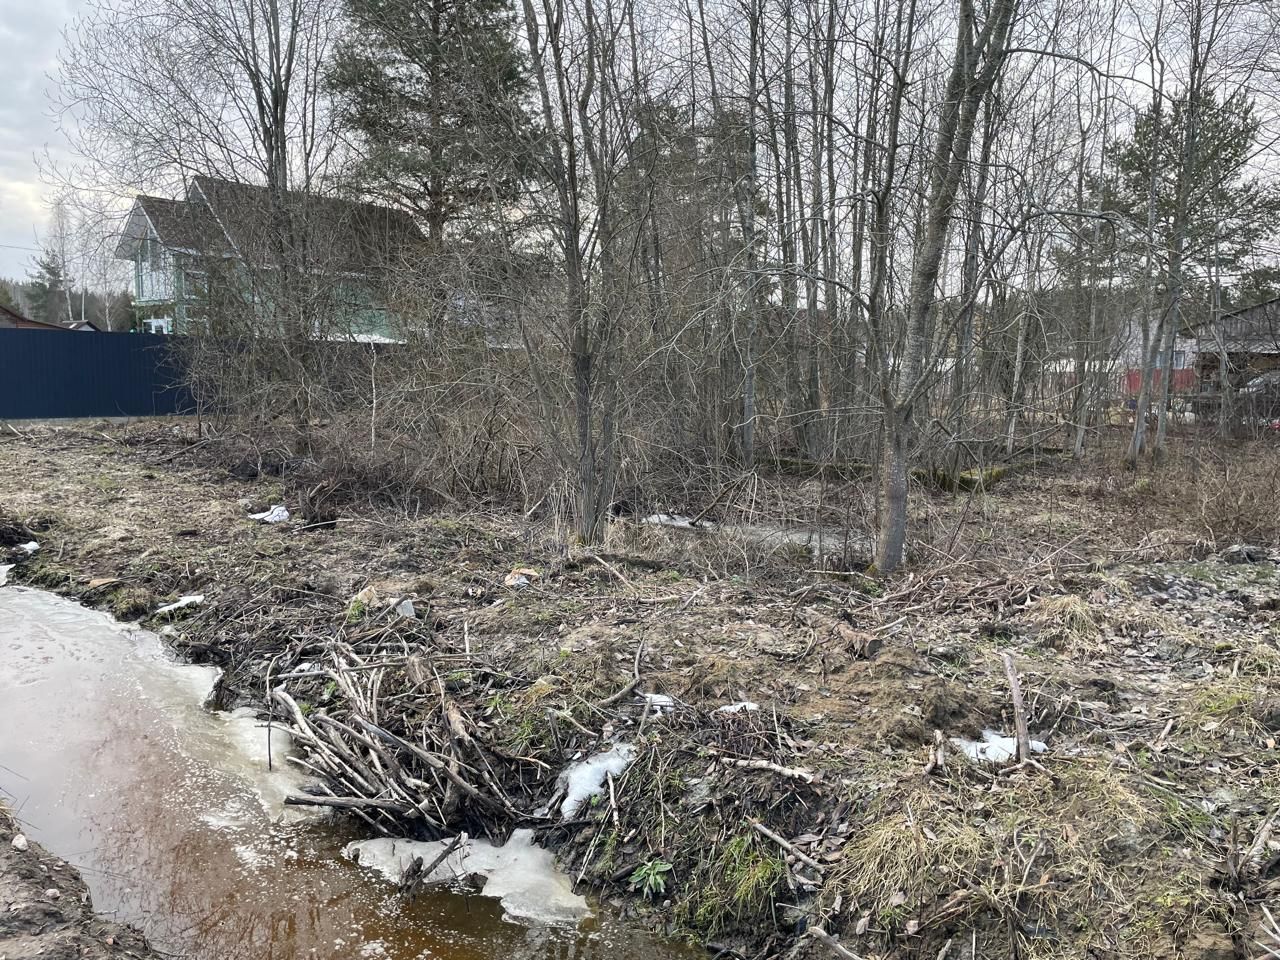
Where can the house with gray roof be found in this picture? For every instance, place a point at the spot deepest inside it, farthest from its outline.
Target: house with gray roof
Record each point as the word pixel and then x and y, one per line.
pixel 223 238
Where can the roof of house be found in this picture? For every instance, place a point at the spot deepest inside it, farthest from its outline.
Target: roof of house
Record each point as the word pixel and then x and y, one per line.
pixel 1251 329
pixel 1252 306
pixel 12 318
pixel 228 218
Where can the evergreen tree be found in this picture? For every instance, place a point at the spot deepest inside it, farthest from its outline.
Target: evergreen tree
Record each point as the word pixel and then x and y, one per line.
pixel 7 299
pixel 434 92
pixel 1229 211
pixel 47 289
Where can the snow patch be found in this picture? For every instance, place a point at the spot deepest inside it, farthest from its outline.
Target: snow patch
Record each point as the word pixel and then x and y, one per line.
pixel 678 521
pixel 658 702
pixel 994 747
pixel 585 779
pixel 746 706
pixel 4 573
pixel 519 874
pixel 29 547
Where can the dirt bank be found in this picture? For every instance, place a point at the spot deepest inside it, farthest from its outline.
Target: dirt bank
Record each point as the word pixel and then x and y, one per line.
pixel 45 910
pixel 1145 648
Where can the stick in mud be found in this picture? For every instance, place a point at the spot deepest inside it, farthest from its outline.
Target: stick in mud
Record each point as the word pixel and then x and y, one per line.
pixel 415 875
pixel 1019 710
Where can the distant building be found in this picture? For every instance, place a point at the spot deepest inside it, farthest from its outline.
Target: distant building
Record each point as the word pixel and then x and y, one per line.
pixel 1250 339
pixel 12 319
pixel 1130 359
pixel 219 238
pixel 85 325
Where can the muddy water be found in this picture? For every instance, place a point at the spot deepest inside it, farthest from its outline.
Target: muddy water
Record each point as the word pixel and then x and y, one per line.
pixel 171 814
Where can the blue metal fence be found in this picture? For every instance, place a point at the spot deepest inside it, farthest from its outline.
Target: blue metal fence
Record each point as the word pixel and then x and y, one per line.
pixel 56 373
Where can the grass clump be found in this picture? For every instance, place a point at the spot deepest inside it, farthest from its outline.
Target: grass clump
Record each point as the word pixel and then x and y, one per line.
pixel 1066 620
pixel 735 886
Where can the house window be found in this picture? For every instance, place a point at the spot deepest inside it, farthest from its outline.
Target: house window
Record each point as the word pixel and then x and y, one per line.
pixel 1179 359
pixel 194 284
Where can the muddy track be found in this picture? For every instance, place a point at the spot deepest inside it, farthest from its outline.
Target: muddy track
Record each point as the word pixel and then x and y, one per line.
pixel 45 909
pixel 1147 661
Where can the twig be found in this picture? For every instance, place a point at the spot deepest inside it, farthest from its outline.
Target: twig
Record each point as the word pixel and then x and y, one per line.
pixel 832 944
pixel 187 449
pixel 614 570
pixel 568 718
pixel 788 846
pixel 618 697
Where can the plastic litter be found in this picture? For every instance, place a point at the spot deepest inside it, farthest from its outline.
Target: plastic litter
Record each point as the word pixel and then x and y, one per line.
pixel 191 601
pixel 520 577
pixel 277 514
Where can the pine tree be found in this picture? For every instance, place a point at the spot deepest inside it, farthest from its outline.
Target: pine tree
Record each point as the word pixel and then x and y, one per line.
pixel 434 91
pixel 7 298
pixel 47 289
pixel 1230 212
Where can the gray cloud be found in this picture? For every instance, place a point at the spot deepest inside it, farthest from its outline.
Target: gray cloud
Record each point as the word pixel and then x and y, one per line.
pixel 30 35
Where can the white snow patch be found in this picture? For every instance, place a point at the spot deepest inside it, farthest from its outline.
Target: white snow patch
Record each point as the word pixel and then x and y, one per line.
pixel 30 546
pixel 745 706
pixel 679 521
pixel 585 779
pixel 519 874
pixel 657 702
pixel 190 601
pixel 994 748
pixel 4 573
pixel 277 514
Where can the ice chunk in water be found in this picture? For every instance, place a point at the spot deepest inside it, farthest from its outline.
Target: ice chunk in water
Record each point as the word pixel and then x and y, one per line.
pixel 520 874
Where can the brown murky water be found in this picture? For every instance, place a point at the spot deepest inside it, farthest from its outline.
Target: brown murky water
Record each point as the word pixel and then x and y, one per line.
pixel 174 820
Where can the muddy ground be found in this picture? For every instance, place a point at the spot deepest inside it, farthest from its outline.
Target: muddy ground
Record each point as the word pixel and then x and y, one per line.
pixel 1146 645
pixel 45 910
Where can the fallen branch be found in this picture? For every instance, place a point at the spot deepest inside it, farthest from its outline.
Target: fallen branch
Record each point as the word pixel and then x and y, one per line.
pixel 788 846
pixel 832 944
pixel 349 803
pixel 618 697
pixel 795 773
pixel 416 876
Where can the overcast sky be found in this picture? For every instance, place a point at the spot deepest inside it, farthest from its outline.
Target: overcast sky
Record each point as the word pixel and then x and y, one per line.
pixel 30 33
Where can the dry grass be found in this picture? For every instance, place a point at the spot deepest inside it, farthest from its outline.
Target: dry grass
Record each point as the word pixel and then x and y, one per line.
pixel 1065 621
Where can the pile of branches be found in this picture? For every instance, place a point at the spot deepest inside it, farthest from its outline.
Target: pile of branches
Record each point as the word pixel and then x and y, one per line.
pixel 388 739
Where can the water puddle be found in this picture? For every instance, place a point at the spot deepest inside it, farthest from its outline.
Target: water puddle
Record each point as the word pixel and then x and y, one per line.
pixel 171 814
